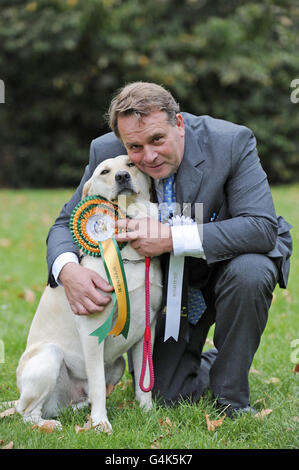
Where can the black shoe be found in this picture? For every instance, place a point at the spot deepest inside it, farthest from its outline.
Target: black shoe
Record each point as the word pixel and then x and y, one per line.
pixel 232 412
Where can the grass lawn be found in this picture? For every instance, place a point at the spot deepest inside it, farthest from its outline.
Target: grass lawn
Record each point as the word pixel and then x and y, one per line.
pixel 25 219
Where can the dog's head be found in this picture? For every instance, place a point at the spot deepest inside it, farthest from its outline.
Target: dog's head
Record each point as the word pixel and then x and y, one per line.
pixel 116 177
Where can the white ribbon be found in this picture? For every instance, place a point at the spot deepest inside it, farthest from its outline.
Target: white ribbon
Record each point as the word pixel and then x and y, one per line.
pixel 174 287
pixel 174 296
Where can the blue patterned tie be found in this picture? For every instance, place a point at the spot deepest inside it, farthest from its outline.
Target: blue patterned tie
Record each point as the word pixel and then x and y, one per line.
pixel 196 301
pixel 169 198
pixel 196 305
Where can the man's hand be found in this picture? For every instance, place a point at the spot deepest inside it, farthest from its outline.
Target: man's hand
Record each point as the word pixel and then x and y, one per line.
pixel 147 236
pixel 81 285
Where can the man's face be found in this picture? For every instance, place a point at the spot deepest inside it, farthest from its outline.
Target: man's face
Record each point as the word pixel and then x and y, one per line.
pixel 153 143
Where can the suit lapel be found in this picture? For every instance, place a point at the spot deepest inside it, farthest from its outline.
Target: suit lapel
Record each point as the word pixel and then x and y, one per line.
pixel 190 172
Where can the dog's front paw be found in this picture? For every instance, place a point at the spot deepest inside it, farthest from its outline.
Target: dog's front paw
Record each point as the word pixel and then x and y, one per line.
pixel 145 403
pixel 103 426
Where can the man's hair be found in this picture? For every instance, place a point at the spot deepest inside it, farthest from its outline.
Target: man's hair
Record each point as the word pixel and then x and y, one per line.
pixel 141 99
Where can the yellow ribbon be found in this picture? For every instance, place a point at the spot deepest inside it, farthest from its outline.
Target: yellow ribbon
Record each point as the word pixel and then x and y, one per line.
pixel 118 279
pixel 116 276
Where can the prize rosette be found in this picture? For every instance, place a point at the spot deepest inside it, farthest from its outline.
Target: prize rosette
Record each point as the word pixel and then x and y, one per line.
pixel 93 221
pixel 92 224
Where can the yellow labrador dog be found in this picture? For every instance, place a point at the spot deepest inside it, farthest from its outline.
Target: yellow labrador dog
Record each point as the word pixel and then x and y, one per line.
pixel 62 363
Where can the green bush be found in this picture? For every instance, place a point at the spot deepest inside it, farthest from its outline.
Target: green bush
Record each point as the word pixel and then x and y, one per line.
pixel 62 60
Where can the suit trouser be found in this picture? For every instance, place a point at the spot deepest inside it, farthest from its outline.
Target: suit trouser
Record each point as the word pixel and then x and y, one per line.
pixel 238 298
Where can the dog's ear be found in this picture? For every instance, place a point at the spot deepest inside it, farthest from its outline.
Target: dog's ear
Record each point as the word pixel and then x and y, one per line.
pixel 86 188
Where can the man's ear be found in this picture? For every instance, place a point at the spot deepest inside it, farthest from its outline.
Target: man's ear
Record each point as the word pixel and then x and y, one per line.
pixel 86 188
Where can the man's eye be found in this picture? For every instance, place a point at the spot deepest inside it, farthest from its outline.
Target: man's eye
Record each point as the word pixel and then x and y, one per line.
pixel 130 164
pixel 104 172
pixel 134 147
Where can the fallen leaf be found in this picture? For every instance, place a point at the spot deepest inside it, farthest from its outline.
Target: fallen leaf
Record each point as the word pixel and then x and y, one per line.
pixel 212 425
pixel 166 422
pixel 263 413
pixel 167 425
pixel 86 427
pixel 155 444
pixel 209 342
pixel 296 369
pixel 82 429
pixel 254 371
pixel 9 412
pixel 48 427
pixel 29 295
pixel 8 446
pixel 109 389
pixel 295 419
pixel 104 427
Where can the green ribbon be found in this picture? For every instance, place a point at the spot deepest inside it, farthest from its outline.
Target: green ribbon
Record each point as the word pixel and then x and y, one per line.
pixel 103 331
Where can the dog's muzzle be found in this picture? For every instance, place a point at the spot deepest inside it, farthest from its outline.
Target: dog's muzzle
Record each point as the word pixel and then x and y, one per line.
pixel 124 183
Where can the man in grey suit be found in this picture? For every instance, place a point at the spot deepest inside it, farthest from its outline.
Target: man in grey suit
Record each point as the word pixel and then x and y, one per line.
pixel 234 256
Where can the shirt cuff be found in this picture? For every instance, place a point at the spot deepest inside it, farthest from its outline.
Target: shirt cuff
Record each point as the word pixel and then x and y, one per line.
pixel 60 261
pixel 186 241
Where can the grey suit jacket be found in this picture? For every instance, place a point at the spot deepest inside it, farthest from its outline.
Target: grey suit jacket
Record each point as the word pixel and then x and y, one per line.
pixel 220 169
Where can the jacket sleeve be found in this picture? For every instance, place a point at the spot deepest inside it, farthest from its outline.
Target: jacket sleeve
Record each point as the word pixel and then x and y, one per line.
pixel 250 224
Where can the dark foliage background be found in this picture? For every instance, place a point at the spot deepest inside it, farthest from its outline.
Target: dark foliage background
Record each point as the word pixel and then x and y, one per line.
pixel 62 60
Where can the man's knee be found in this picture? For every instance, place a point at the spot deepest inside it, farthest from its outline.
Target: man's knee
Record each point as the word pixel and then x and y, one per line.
pixel 243 295
pixel 251 271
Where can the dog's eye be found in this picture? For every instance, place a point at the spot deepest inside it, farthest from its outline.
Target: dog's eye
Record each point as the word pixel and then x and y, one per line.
pixel 104 172
pixel 130 164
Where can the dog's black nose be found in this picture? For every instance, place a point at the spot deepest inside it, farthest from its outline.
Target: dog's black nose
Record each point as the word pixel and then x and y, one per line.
pixel 122 176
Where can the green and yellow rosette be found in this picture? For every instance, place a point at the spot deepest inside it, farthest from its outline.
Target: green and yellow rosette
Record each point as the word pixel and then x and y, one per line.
pixel 92 225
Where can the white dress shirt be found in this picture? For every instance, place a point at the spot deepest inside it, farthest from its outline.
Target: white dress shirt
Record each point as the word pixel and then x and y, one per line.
pixel 185 238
